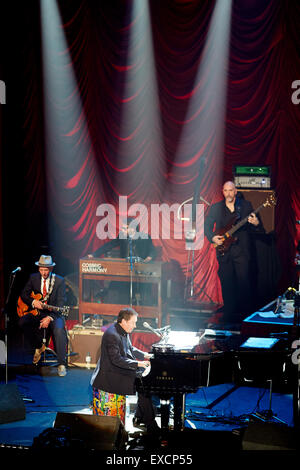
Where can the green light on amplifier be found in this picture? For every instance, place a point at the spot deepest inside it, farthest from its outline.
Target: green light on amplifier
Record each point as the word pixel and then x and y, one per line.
pixel 252 170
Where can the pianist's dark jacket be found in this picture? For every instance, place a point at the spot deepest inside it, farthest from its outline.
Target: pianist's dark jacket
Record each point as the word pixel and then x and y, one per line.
pixel 117 366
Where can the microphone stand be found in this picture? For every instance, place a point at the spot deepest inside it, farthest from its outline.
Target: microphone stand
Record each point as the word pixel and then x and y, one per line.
pixel 12 280
pixel 131 269
pixel 163 333
pixel 192 284
pixel 192 272
pixel 191 237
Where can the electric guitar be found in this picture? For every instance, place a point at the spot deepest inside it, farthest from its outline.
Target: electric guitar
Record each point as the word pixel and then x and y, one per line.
pixel 24 309
pixel 231 228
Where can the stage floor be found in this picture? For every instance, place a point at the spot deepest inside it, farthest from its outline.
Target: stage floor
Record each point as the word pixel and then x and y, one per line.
pixel 214 412
pixel 45 394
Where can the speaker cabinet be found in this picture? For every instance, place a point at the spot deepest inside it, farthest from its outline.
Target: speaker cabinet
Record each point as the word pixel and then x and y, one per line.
pixel 96 432
pixel 83 342
pixel 257 197
pixel 12 407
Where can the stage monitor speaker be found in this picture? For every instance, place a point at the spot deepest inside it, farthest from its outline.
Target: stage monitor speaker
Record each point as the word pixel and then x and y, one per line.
pixel 96 432
pixel 269 436
pixel 12 407
pixel 257 197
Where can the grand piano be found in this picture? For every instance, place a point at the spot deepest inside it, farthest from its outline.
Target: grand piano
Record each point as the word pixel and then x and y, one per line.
pixel 182 362
pixel 182 365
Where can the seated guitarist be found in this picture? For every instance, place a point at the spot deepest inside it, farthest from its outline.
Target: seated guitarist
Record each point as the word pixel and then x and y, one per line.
pixel 237 261
pixel 40 322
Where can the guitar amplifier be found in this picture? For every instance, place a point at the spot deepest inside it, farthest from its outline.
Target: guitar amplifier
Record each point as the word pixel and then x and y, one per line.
pixel 84 346
pixel 252 177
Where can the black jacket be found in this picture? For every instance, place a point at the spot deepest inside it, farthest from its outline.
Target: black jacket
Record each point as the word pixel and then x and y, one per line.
pixel 57 297
pixel 220 216
pixel 117 366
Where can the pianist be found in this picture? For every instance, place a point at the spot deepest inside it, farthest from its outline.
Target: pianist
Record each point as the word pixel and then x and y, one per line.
pixel 116 371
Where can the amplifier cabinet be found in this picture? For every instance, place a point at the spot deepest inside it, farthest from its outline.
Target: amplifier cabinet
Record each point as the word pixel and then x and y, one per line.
pixel 83 343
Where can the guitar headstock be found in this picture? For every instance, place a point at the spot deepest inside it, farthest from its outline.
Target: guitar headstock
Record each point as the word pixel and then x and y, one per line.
pixel 270 201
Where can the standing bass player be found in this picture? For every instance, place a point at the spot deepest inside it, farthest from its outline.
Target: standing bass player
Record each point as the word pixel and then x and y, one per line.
pixel 236 256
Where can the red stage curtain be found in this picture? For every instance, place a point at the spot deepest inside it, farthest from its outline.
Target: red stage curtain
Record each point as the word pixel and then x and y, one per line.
pixel 261 125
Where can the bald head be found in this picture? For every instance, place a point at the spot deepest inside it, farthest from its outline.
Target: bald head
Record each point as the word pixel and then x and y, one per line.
pixel 229 192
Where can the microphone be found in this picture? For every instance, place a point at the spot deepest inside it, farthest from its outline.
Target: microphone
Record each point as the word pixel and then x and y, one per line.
pixel 16 270
pixel 146 325
pixel 164 328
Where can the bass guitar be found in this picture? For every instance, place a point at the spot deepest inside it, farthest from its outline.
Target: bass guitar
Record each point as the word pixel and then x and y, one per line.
pixel 228 231
pixel 24 309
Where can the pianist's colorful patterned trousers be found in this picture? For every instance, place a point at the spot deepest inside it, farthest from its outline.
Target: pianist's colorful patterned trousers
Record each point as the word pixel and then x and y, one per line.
pixel 109 404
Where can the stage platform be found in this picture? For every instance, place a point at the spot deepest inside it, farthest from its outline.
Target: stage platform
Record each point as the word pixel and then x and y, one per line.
pixel 227 420
pixel 221 417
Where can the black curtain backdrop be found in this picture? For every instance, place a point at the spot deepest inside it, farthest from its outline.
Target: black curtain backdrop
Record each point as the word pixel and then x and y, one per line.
pixel 95 159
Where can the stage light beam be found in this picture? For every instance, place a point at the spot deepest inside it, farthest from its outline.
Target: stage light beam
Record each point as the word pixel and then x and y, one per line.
pixel 141 144
pixel 203 133
pixel 69 154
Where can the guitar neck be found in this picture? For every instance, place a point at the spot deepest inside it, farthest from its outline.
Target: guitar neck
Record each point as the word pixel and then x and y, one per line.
pixel 243 221
pixel 52 307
